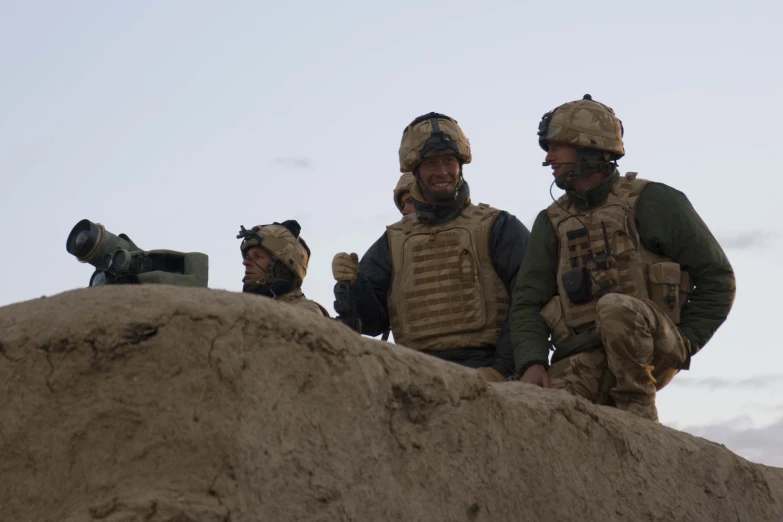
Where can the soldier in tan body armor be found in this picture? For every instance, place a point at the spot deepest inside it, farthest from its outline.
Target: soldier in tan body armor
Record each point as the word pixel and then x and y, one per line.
pixel 275 260
pixel 402 194
pixel 622 276
pixel 441 277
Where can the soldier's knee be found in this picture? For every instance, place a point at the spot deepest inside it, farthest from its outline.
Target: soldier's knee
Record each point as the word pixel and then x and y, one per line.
pixel 614 306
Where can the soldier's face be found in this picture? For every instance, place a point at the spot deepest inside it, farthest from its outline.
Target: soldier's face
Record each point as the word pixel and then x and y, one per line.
pixel 440 174
pixel 407 203
pixel 562 157
pixel 256 263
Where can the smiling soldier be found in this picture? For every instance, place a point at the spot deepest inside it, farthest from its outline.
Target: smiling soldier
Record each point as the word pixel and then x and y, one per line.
pixel 441 277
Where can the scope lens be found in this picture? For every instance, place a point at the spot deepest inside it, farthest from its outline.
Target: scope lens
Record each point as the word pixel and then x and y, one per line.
pixel 107 261
pixel 98 278
pixel 119 260
pixel 81 239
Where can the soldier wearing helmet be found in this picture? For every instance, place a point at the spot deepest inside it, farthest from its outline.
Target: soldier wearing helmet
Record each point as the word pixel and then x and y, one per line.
pixel 275 260
pixel 622 276
pixel 402 193
pixel 441 277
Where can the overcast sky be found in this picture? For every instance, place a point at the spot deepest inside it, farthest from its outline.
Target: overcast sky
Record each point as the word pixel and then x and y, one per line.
pixel 177 122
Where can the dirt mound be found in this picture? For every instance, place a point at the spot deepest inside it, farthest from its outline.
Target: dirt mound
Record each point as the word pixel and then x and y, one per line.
pixel 155 403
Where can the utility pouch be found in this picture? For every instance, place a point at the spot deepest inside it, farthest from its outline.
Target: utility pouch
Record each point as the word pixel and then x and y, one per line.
pixel 578 285
pixel 577 282
pixel 607 275
pixel 665 288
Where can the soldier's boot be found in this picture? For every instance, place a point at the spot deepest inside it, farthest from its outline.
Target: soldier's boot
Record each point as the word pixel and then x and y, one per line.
pixel 582 375
pixel 638 406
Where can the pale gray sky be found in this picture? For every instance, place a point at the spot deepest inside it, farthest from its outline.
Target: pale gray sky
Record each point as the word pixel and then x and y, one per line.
pixel 177 122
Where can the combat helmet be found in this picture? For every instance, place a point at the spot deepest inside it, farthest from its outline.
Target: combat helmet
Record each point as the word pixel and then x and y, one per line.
pixel 406 182
pixel 586 124
pixel 290 254
pixel 432 134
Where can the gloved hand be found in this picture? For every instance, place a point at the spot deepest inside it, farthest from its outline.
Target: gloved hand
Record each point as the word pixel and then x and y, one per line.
pixel 489 374
pixel 345 268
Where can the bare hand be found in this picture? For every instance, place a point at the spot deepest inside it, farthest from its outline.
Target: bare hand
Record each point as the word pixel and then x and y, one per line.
pixel 536 375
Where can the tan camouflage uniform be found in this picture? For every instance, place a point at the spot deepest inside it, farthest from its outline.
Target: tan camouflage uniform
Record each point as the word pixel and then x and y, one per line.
pixel 641 349
pixel 297 299
pixel 624 295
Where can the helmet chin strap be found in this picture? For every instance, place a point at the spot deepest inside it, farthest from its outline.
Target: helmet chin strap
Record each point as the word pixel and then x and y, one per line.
pixel 586 162
pixel 564 180
pixel 254 285
pixel 263 271
pixel 269 285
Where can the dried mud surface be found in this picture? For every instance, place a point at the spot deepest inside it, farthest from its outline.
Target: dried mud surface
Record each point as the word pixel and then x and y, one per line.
pixel 156 403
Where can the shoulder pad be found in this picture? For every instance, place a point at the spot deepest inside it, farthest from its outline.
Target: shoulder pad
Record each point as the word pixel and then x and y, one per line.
pixel 405 223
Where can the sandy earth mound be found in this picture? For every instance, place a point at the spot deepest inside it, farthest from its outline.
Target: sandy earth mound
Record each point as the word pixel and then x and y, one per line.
pixel 155 403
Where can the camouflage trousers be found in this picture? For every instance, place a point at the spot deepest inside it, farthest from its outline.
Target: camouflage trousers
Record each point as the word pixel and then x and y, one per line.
pixel 640 354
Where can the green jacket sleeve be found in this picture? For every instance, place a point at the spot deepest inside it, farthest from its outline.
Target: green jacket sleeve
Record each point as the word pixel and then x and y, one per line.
pixel 536 285
pixel 670 226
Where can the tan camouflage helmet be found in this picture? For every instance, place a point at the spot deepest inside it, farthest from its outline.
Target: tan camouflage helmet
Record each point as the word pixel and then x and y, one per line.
pixel 583 123
pixel 404 185
pixel 432 134
pixel 282 241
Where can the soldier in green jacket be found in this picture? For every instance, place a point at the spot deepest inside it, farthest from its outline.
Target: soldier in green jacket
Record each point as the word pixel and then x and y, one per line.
pixel 622 278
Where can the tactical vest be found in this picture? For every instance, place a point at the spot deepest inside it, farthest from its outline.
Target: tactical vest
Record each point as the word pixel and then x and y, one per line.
pixel 600 252
pixel 298 299
pixel 444 291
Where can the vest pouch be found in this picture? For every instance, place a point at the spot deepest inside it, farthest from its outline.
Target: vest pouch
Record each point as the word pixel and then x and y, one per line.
pixel 606 276
pixel 578 285
pixel 664 279
pixel 555 320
